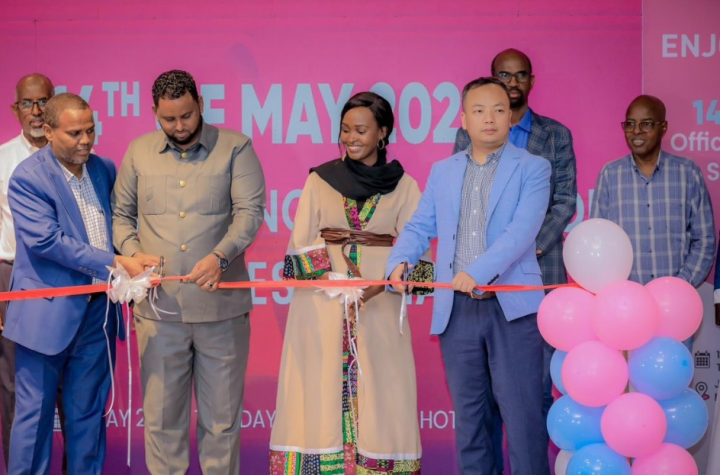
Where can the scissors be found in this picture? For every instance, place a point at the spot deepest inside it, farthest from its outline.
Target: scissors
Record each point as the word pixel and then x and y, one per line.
pixel 161 272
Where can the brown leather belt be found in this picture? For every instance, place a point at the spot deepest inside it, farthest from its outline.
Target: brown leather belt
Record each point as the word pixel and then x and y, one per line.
pixel 345 237
pixel 488 294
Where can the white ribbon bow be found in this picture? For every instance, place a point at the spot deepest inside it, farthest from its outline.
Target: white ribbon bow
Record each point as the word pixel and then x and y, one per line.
pixel 124 289
pixel 347 295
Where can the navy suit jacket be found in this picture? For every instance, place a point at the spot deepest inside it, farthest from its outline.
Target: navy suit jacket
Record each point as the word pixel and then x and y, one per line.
pixel 518 202
pixel 53 250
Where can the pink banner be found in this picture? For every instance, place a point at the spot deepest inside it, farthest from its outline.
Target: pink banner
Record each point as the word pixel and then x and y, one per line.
pixel 280 72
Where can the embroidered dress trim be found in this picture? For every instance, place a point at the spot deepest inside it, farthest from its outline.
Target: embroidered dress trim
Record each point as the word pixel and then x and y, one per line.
pixel 307 265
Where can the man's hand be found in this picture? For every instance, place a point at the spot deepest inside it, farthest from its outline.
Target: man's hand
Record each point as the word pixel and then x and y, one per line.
pixel 135 265
pixel 462 282
pixel 538 252
pixel 148 260
pixel 206 273
pixel 397 275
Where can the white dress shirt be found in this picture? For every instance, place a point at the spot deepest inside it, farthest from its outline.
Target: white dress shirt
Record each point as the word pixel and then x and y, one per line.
pixel 11 154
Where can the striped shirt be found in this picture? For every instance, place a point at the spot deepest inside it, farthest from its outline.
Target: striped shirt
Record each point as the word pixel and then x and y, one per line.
pixel 91 210
pixel 478 181
pixel 667 216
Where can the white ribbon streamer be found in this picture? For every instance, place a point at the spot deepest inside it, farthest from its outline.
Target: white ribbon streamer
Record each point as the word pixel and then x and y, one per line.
pixel 348 296
pixel 403 310
pixel 122 289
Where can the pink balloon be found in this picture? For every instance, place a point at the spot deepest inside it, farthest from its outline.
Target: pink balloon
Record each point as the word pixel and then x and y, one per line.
pixel 593 374
pixel 634 425
pixel 669 459
pixel 680 305
pixel 564 318
pixel 626 315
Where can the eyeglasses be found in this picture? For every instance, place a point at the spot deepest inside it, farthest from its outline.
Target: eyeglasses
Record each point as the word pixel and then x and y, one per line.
pixel 28 105
pixel 520 76
pixel 645 126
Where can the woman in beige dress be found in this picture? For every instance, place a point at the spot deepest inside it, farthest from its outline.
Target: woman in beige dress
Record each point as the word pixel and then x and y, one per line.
pixel 347 399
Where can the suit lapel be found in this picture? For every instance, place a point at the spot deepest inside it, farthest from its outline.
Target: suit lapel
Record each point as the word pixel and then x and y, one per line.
pixel 538 137
pixel 508 163
pixel 66 196
pixel 99 181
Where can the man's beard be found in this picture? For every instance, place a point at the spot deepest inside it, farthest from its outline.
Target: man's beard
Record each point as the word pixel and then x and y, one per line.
pixel 37 132
pixel 70 159
pixel 190 137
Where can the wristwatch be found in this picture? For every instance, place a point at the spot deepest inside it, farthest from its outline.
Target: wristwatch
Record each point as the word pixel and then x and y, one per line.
pixel 222 262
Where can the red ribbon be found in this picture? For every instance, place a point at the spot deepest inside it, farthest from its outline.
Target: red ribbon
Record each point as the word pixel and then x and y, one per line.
pixel 285 284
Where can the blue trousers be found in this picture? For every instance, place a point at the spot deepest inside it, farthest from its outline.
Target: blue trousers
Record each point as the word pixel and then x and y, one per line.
pixel 85 372
pixel 486 357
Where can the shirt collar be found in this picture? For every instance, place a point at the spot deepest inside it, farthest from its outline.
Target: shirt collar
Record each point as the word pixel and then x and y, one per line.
pixel 206 139
pixel 658 165
pixel 490 158
pixel 526 122
pixel 26 143
pixel 69 176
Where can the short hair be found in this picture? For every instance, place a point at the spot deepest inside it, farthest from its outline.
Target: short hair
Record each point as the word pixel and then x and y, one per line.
pixel 381 111
pixel 484 81
pixel 59 104
pixel 517 51
pixel 39 76
pixel 173 85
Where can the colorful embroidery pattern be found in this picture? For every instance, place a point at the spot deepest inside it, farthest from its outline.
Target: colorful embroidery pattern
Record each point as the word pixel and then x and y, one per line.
pixel 340 463
pixel 358 220
pixel 368 466
pixel 308 265
pixel 293 463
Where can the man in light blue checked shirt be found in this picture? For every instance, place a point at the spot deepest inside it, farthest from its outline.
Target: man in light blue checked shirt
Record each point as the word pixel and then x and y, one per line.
pixel 659 199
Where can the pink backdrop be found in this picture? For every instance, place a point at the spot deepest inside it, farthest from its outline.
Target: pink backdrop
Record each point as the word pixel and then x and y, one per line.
pixel 276 71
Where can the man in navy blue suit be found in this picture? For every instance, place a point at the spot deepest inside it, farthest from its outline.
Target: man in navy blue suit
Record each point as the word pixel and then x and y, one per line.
pixel 485 205
pixel 60 202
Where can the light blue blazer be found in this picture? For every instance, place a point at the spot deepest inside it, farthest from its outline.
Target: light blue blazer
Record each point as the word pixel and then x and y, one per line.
pixel 517 208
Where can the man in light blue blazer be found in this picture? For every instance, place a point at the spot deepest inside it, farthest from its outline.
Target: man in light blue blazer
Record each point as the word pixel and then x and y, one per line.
pixel 486 205
pixel 60 202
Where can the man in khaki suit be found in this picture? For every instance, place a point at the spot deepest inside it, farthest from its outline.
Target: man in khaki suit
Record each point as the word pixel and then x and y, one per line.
pixel 194 194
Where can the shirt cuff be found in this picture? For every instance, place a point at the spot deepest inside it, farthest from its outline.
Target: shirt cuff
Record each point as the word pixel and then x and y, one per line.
pixel 228 247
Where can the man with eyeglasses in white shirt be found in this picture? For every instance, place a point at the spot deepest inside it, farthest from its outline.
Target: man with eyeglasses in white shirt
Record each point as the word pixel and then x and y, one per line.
pixel 31 94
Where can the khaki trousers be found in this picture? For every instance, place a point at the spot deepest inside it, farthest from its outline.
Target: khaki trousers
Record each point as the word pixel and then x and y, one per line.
pixel 212 358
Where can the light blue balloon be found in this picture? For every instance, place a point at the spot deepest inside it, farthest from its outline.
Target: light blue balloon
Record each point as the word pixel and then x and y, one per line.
pixel 598 459
pixel 662 368
pixel 687 419
pixel 572 425
pixel 558 358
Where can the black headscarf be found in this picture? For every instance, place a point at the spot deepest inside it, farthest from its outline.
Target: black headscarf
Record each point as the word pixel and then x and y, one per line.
pixel 358 181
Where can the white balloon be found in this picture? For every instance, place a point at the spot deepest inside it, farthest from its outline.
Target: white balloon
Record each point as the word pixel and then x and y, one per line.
pixel 562 461
pixel 598 252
